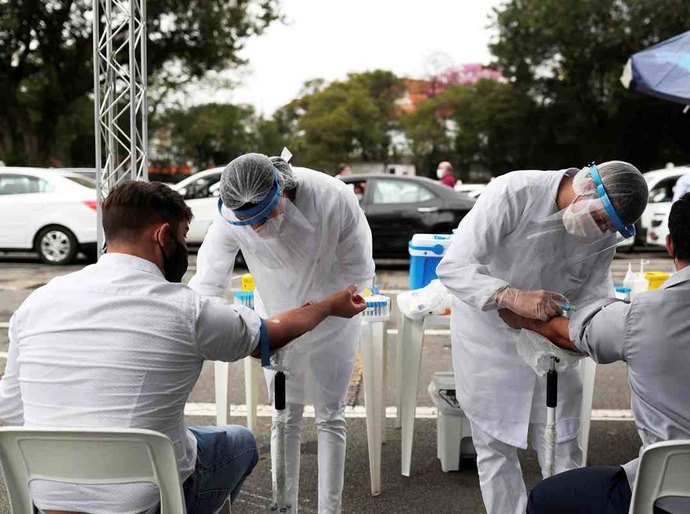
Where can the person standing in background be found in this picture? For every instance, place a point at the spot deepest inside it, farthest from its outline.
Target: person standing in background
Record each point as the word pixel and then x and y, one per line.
pixel 444 172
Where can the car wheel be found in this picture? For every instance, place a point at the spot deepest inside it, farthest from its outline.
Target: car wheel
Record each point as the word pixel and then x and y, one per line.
pixel 56 245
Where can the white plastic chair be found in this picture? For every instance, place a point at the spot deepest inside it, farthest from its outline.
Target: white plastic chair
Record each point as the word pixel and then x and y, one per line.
pixel 664 470
pixel 88 456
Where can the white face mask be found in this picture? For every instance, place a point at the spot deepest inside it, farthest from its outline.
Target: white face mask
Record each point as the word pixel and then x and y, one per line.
pixel 440 172
pixel 581 224
pixel 272 228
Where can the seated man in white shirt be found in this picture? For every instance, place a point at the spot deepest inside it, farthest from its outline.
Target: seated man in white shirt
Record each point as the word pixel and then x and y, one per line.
pixel 121 343
pixel 652 336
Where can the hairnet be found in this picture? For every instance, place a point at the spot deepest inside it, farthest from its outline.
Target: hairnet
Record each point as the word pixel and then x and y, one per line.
pixel 624 185
pixel 287 176
pixel 248 179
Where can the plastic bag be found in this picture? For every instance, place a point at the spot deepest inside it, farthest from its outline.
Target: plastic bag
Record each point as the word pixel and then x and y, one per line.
pixel 432 299
pixel 537 351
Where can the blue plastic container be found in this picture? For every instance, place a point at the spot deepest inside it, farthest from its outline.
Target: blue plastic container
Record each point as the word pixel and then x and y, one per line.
pixel 426 251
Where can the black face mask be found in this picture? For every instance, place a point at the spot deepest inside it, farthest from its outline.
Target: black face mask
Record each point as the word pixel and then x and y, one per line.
pixel 175 267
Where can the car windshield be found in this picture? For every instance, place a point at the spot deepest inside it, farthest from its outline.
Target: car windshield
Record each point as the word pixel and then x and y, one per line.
pixel 663 191
pixel 201 187
pixel 82 181
pixel 400 191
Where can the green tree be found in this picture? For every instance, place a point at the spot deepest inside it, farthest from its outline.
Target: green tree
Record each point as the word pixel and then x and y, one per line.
pixel 210 133
pixel 342 121
pixel 570 55
pixel 268 137
pixel 426 129
pixel 481 126
pixel 46 58
pixel 214 134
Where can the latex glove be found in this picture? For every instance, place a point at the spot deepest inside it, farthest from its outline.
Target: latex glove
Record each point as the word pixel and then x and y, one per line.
pixel 541 305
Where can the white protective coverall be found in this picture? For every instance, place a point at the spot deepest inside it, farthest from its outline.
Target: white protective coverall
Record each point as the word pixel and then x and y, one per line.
pixel 305 266
pixel 502 396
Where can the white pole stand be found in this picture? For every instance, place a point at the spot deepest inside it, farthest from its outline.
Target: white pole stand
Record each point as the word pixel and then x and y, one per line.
pixel 550 429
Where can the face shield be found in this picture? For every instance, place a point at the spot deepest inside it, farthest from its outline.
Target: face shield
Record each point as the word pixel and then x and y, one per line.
pixel 272 230
pixel 255 215
pixel 593 211
pixel 609 200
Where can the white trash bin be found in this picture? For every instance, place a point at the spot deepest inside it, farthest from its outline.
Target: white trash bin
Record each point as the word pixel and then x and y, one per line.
pixel 453 432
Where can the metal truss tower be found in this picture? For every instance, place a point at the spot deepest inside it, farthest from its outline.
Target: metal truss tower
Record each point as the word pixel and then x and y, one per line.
pixel 119 75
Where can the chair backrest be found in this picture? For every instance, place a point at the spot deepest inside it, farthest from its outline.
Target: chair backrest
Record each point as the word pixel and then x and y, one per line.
pixel 88 456
pixel 664 470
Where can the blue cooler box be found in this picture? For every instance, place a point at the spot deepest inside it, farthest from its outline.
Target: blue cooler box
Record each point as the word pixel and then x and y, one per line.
pixel 426 251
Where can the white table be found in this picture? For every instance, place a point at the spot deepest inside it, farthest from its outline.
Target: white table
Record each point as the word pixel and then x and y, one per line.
pixel 252 379
pixel 409 359
pixel 373 346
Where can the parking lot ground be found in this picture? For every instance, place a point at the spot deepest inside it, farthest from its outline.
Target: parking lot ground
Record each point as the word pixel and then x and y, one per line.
pixel 428 489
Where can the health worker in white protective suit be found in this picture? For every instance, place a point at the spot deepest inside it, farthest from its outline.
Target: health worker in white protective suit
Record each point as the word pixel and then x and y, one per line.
pixel 534 241
pixel 303 236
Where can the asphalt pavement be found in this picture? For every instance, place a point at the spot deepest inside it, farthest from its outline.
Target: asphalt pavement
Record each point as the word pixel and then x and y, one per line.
pixel 613 437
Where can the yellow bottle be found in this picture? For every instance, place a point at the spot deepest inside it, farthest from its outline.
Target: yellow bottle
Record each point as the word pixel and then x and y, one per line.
pixel 656 278
pixel 247 283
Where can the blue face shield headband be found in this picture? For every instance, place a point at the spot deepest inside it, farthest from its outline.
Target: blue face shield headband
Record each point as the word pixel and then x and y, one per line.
pixel 625 230
pixel 260 211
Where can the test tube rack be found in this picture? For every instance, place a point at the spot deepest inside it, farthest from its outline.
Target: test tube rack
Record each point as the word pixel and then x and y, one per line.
pixel 245 298
pixel 378 308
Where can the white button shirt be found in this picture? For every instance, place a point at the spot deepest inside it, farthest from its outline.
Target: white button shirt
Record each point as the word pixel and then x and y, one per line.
pixel 115 345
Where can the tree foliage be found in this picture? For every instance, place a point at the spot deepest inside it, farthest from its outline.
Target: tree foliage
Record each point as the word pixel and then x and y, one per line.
pixel 343 120
pixel 480 126
pixel 570 55
pixel 46 58
pixel 214 134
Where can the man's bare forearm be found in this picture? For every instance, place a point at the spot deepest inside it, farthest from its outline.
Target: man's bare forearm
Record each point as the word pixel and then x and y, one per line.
pixel 290 325
pixel 556 330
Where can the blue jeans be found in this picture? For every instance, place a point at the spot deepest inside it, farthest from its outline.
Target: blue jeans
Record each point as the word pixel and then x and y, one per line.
pixel 225 457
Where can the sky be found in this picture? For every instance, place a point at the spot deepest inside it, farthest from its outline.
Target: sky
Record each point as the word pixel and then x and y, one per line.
pixel 329 38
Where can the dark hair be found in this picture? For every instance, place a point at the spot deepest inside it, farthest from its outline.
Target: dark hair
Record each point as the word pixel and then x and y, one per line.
pixel 679 227
pixel 133 206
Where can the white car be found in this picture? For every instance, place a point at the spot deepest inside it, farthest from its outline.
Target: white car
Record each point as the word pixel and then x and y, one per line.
pixel 47 211
pixel 201 192
pixel 661 184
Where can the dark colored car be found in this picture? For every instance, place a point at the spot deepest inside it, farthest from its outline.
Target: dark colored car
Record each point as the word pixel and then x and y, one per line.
pixel 398 207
